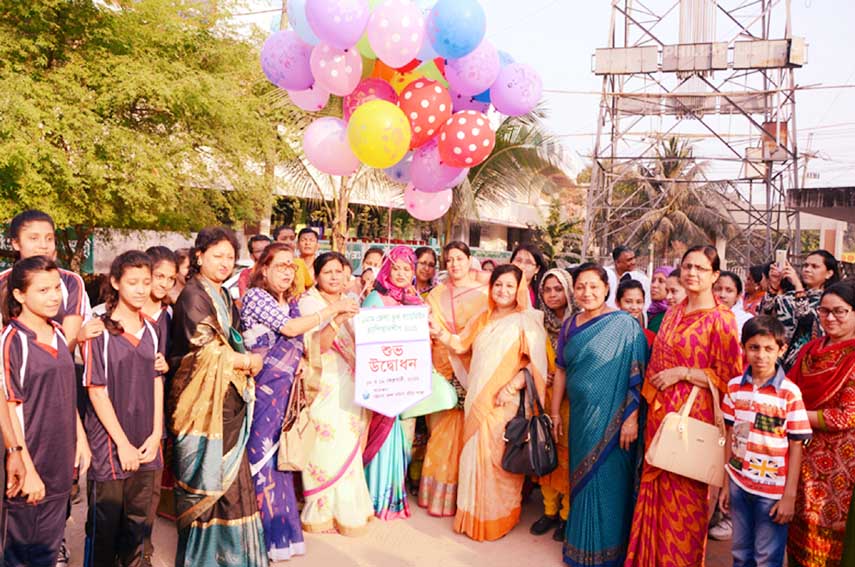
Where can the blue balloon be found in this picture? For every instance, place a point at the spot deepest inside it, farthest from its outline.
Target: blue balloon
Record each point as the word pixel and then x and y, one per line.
pixel 456 27
pixel 298 20
pixel 483 97
pixel 505 58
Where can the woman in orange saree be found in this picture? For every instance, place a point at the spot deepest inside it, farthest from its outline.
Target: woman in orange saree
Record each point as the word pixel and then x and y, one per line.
pixel 506 338
pixel 698 340
pixel 453 304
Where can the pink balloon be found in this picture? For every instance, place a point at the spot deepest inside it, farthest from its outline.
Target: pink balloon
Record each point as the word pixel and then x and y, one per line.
pixel 335 70
pixel 427 206
pixel 285 61
pixel 396 31
pixel 313 99
pixel 466 102
pixel 517 89
pixel 326 147
pixel 340 23
pixel 460 177
pixel 368 89
pixel 473 74
pixel 428 173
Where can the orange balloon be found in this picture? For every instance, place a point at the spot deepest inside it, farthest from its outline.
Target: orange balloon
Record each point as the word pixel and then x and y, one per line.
pixel 383 71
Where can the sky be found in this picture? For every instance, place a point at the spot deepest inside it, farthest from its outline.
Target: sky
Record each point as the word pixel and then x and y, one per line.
pixel 558 38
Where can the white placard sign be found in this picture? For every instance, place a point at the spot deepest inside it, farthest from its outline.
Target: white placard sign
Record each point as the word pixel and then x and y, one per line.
pixel 393 359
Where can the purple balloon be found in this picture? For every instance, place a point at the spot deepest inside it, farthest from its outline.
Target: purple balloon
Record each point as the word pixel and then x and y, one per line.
pixel 339 23
pixel 460 177
pixel 326 147
pixel 400 172
pixel 428 173
pixel 427 206
pixel 474 73
pixel 313 99
pixel 285 61
pixel 463 102
pixel 517 90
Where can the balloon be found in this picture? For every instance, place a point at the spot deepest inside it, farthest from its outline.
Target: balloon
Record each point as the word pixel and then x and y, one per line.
pixel 428 173
pixel 313 99
pixel 430 70
pixel 482 97
pixel 368 89
pixel 466 139
pixel 364 48
pixel 296 10
pixel 399 81
pixel 460 177
pixel 379 133
pixel 505 59
pixel 427 106
pixel 339 23
pixel 396 30
pixel 400 172
pixel 326 147
pixel 335 70
pixel 456 27
pixel 426 51
pixel 475 72
pixel 427 206
pixel 285 61
pixel 462 102
pixel 383 71
pixel 516 90
pixel 367 67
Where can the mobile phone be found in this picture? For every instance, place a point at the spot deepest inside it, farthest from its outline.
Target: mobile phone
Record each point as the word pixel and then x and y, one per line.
pixel 781 258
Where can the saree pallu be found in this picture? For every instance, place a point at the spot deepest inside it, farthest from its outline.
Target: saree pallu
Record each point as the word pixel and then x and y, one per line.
pixel 274 489
pixel 817 534
pixel 334 487
pixel 217 517
pixel 438 485
pixel 849 539
pixel 488 497
pixel 669 524
pixel 605 359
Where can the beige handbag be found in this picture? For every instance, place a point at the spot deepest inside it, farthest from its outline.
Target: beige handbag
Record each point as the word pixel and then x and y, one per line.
pixel 690 447
pixel 298 433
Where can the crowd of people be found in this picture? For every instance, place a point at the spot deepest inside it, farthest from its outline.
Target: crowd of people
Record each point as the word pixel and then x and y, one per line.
pixel 170 395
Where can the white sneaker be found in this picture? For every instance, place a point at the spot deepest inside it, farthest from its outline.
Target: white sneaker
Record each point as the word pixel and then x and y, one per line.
pixel 63 557
pixel 722 531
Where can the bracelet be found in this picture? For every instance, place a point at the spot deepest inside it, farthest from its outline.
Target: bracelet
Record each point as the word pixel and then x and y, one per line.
pixel 15 449
pixel 688 377
pixel 333 325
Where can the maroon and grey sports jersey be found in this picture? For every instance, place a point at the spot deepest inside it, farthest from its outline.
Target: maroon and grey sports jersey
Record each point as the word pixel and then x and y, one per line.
pixel 40 378
pixel 74 298
pixel 124 364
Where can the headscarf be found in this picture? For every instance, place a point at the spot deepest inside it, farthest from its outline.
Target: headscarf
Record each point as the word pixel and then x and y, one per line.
pixel 550 320
pixel 383 283
pixel 660 305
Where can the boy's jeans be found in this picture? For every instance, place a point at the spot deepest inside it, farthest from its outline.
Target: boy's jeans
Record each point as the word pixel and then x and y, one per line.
pixel 757 540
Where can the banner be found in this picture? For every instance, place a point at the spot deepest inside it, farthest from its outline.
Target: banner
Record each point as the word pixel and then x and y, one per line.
pixel 393 359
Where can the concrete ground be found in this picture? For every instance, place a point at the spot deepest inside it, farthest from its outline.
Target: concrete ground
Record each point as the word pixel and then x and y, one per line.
pixel 419 541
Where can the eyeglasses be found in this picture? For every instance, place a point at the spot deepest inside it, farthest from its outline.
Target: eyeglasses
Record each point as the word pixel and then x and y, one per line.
pixel 839 313
pixel 694 268
pixel 282 267
pixel 521 262
pixel 427 264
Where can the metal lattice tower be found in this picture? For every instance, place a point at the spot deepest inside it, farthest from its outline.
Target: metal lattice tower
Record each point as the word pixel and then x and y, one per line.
pixel 719 73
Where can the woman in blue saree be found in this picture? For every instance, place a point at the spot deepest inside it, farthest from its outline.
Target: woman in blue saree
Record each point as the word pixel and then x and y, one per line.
pixel 600 364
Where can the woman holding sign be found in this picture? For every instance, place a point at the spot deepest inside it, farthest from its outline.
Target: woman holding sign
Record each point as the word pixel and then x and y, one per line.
pixel 387 452
pixel 506 338
pixel 333 480
pixel 453 304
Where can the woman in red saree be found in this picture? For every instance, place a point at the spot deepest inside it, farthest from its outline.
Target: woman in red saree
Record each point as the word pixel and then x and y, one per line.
pixel 825 373
pixel 698 340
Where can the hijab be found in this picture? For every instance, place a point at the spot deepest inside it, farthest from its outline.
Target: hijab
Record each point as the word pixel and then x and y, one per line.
pixel 660 305
pixel 550 319
pixel 383 282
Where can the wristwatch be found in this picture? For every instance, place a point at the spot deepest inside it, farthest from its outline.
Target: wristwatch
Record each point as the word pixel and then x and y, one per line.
pixel 15 449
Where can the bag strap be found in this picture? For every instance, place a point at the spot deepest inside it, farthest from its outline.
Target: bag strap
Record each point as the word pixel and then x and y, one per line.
pixel 533 398
pixel 719 416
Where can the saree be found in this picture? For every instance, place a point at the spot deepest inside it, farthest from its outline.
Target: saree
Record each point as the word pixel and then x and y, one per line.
pixel 263 317
pixel 849 539
pixel 605 359
pixel 669 525
pixel 334 488
pixel 387 452
pixel 489 498
pixel 453 309
pixel 211 405
pixel 826 376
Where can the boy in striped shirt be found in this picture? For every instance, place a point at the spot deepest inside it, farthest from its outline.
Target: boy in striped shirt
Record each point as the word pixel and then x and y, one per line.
pixel 767 426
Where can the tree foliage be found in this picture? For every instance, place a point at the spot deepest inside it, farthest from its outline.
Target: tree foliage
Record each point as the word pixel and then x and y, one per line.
pixel 150 114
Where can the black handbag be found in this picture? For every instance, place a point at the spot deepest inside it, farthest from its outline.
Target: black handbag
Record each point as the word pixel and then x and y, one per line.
pixel 529 446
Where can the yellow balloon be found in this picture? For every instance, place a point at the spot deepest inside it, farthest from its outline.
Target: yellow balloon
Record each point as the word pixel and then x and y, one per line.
pixel 400 80
pixel 379 133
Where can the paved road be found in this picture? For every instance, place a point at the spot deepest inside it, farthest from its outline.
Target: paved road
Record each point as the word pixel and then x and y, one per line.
pixel 418 541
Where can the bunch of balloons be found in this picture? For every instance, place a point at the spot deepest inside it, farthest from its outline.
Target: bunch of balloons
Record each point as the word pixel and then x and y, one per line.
pixel 417 79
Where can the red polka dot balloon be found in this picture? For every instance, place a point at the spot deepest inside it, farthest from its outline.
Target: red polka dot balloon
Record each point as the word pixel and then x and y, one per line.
pixel 427 106
pixel 466 139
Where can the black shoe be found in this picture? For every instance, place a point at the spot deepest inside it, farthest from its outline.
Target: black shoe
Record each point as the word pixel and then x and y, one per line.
pixel 544 524
pixel 558 534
